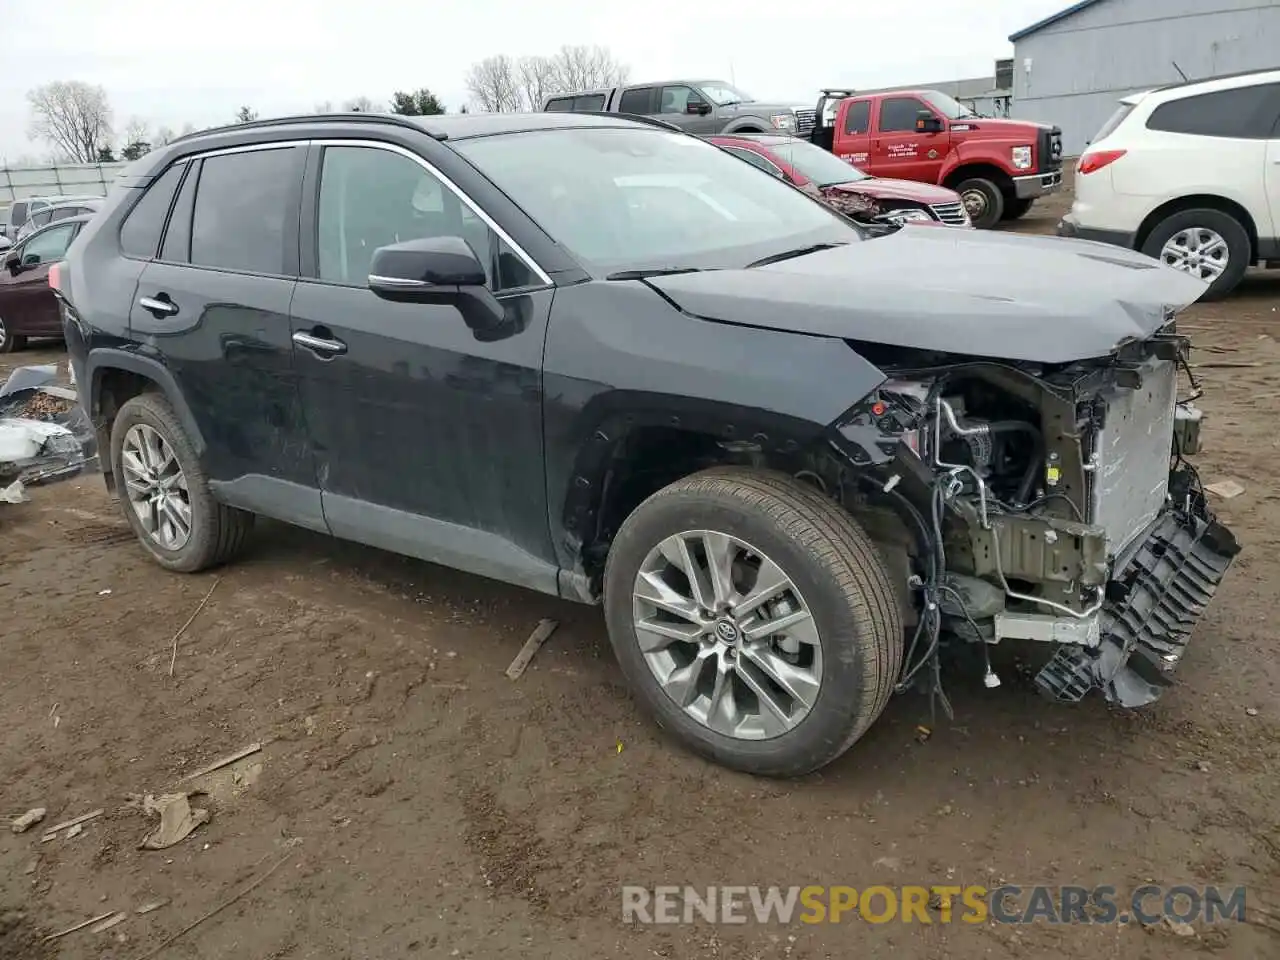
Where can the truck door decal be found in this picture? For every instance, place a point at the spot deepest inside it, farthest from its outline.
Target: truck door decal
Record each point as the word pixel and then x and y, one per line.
pixel 904 150
pixel 854 158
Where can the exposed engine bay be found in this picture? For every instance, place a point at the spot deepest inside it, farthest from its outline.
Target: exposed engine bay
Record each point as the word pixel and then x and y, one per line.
pixel 1041 503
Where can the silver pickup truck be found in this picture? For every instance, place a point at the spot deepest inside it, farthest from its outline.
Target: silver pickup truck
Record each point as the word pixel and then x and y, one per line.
pixel 701 107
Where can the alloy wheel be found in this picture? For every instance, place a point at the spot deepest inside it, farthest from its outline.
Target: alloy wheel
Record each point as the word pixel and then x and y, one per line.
pixel 1198 251
pixel 727 635
pixel 156 486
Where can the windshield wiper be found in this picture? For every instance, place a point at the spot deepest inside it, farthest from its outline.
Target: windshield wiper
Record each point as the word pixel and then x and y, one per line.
pixel 790 254
pixel 652 272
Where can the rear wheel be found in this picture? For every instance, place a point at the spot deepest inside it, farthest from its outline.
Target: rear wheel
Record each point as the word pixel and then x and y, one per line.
pixel 10 342
pixel 754 619
pixel 1015 208
pixel 983 201
pixel 165 493
pixel 1205 243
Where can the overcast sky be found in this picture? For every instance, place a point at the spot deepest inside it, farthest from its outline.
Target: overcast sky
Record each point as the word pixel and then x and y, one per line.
pixel 173 62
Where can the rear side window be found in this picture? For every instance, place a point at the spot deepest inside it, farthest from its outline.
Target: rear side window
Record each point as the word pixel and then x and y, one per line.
pixel 857 119
pixel 177 237
pixel 1113 121
pixel 638 100
pixel 586 102
pixel 1245 113
pixel 140 233
pixel 238 223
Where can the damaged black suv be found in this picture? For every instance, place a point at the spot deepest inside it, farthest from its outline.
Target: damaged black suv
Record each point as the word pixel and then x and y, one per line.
pixel 608 361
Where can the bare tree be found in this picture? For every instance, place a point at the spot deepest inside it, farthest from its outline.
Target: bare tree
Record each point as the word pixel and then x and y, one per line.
pixel 537 78
pixel 73 116
pixel 586 68
pixel 362 105
pixel 246 115
pixel 494 83
pixel 162 136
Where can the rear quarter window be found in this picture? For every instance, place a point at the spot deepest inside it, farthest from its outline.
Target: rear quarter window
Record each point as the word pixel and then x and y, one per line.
pixel 1245 113
pixel 141 230
pixel 1112 122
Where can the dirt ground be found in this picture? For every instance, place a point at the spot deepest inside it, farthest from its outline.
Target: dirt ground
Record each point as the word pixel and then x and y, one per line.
pixel 425 805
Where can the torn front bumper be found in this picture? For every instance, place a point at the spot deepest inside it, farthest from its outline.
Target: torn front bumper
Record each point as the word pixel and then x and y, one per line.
pixel 1153 600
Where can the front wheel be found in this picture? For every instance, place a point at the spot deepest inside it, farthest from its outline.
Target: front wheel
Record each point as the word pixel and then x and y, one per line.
pixel 1205 243
pixel 754 619
pixel 10 342
pixel 982 200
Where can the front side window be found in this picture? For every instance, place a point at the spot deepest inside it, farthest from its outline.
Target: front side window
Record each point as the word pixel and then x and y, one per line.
pixel 857 119
pixel 755 159
pixel 140 232
pixel 677 99
pixel 898 114
pixel 371 198
pixel 48 246
pixel 623 198
pixel 238 223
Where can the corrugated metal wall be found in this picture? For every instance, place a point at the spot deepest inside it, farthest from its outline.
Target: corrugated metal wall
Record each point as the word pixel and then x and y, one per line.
pixel 57 180
pixel 1081 65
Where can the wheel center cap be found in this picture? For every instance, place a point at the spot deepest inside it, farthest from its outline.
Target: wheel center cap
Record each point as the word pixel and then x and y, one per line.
pixel 727 631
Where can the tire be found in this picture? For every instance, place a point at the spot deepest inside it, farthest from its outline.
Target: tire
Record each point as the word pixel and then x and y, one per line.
pixel 9 342
pixel 837 573
pixel 1015 209
pixel 983 201
pixel 217 532
pixel 1205 220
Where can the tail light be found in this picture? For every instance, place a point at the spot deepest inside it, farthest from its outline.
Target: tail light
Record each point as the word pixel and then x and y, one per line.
pixel 55 276
pixel 1092 162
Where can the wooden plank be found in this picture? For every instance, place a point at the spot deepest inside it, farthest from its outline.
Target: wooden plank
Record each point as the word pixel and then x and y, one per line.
pixel 540 634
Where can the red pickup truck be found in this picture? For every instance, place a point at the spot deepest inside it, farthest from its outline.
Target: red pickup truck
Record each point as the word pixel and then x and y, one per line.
pixel 998 167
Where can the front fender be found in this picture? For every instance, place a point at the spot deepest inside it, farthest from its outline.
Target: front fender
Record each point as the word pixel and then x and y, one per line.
pixel 620 357
pixel 749 122
pixel 993 153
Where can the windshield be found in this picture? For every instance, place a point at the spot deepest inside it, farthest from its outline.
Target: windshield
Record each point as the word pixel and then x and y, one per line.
pixel 949 108
pixel 813 163
pixel 722 93
pixel 621 198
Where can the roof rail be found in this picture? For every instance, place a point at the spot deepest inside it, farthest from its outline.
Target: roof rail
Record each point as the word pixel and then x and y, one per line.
pixel 637 117
pixel 354 116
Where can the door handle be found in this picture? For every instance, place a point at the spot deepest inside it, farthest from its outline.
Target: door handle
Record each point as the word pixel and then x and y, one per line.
pixel 319 345
pixel 158 307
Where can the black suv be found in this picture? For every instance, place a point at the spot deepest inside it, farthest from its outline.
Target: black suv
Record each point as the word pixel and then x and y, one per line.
pixel 608 361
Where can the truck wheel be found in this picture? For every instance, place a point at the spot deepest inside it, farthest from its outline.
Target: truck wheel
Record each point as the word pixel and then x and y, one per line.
pixel 983 201
pixel 1015 209
pixel 1205 243
pixel 10 342
pixel 165 494
pixel 753 617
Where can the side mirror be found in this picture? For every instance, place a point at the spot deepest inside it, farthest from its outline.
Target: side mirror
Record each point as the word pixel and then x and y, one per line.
pixel 699 107
pixel 927 122
pixel 442 270
pixel 13 261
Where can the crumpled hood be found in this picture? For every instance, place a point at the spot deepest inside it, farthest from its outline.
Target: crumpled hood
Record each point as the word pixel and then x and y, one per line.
pixel 883 188
pixel 971 292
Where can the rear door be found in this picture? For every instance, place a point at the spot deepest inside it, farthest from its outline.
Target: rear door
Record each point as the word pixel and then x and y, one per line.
pixel 215 306
pixel 642 101
pixel 853 132
pixel 898 150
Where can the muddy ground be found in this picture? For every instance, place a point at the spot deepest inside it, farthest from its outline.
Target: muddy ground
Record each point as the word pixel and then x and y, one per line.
pixel 426 805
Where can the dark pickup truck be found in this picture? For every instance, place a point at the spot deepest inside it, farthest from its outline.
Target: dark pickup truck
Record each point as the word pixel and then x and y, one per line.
pixel 703 107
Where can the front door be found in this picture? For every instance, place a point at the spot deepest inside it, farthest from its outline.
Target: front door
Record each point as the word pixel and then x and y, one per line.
pixel 428 436
pixel 27 305
pixel 215 305
pixel 899 150
pixel 684 106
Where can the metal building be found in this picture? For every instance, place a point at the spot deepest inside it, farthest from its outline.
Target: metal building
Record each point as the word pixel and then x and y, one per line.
pixel 1071 68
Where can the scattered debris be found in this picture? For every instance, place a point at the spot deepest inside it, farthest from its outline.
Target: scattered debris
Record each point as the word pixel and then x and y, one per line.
pixel 110 922
pixel 923 733
pixel 1178 927
pixel 224 762
pixel 177 820
pixel 218 909
pixel 889 863
pixel 74 831
pixel 52 832
pixel 32 867
pixel 1251 711
pixel 183 629
pixel 1226 489
pixel 14 493
pixel 28 820
pixel 105 593
pixel 619 747
pixel 79 926
pixel 44 433
pixel 152 906
pixel 1203 766
pixel 540 635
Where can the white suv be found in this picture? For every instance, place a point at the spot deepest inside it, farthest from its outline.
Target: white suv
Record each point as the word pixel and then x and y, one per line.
pixel 1189 174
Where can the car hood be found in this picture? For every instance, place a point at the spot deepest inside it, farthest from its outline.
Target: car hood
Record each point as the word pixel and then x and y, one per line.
pixel 761 107
pixel 1001 125
pixel 976 293
pixel 885 189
